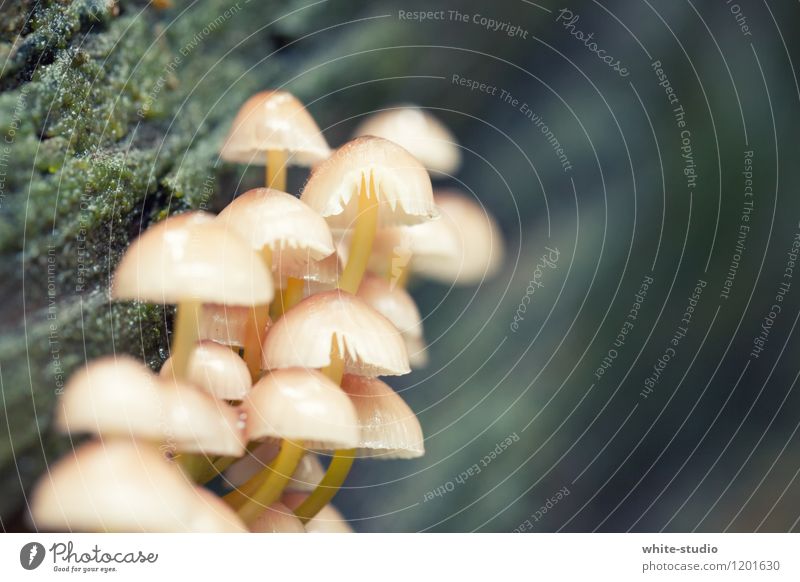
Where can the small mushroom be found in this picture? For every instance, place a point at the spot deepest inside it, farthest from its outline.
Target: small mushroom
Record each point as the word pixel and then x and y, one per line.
pixel 189 260
pixel 424 136
pixel 366 183
pixel 273 128
pixel 225 324
pixel 334 328
pixel 389 428
pixel 277 518
pixel 295 241
pixel 118 396
pixel 304 409
pixel 328 520
pixel 125 486
pixel 215 369
pixel 396 305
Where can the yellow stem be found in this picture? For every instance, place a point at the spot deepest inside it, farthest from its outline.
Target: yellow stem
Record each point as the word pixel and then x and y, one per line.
pixel 276 169
pixel 363 236
pixel 259 315
pixel 398 276
pixel 293 293
pixel 334 477
pixel 335 370
pixel 269 491
pixel 185 338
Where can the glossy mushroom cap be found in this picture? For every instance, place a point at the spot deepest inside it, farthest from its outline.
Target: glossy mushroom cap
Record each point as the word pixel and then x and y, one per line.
pixel 190 256
pixel 299 238
pixel 328 520
pixel 124 486
pixel 121 397
pixel 479 239
pixel 216 369
pixel 402 184
pixel 301 405
pixel 274 120
pixel 277 518
pixel 389 428
pixel 424 136
pixel 396 305
pixel 306 476
pixel 368 342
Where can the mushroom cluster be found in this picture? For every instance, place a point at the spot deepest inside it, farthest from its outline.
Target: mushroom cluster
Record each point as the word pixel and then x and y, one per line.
pixel 289 310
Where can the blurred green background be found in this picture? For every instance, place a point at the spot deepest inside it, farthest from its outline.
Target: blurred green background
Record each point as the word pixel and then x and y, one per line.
pixel 711 446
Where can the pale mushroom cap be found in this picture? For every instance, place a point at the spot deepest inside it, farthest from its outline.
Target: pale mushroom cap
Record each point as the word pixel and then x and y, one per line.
pixel 368 342
pixel 402 184
pixel 396 305
pixel 190 256
pixel 274 120
pixel 301 405
pixel 306 476
pixel 118 485
pixel 481 245
pixel 328 520
pixel 217 370
pixel 389 428
pixel 121 397
pixel 225 324
pixel 297 236
pixel 424 136
pixel 277 518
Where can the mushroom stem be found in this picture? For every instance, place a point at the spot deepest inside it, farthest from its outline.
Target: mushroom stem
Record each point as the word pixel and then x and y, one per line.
pixel 276 169
pixel 289 297
pixel 342 459
pixel 398 276
pixel 363 236
pixel 280 471
pixel 334 477
pixel 186 333
pixel 255 327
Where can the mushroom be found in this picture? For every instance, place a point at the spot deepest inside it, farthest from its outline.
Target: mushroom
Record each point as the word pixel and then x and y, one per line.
pixel 125 486
pixel 304 409
pixel 399 192
pixel 334 329
pixel 396 305
pixel 328 520
pixel 215 369
pixel 389 429
pixel 295 241
pixel 277 518
pixel 415 129
pixel 273 128
pixel 336 332
pixel 118 396
pixel 189 259
pixel 225 324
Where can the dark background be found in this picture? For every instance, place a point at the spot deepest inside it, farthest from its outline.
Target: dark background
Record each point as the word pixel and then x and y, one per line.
pixel 714 447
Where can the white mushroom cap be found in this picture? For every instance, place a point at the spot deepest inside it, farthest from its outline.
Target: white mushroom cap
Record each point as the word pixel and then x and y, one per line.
pixel 396 305
pixel 124 486
pixel 368 342
pixel 277 518
pixel 121 397
pixel 191 257
pixel 225 324
pixel 389 428
pixel 274 120
pixel 301 405
pixel 424 136
pixel 216 369
pixel 402 184
pixel 328 520
pixel 298 237
pixel 480 242
pixel 306 476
